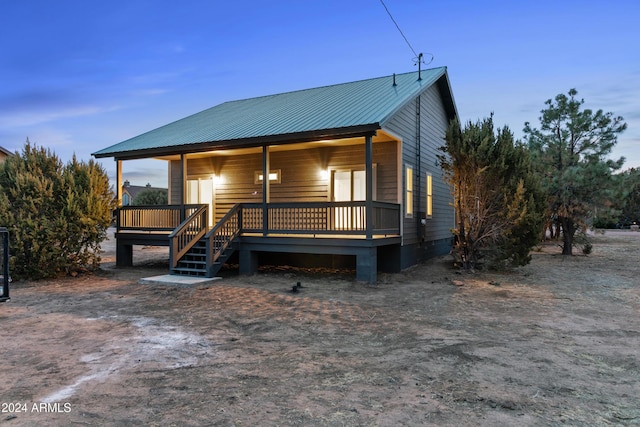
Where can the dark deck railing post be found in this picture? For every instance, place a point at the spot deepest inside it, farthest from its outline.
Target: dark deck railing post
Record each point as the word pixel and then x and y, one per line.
pixel 368 208
pixel 183 191
pixel 4 233
pixel 265 189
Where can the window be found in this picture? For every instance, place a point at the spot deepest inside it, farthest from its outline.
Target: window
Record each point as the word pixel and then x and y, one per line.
pixel 408 206
pixel 125 199
pixel 429 196
pixel 350 185
pixel 202 191
pixel 274 177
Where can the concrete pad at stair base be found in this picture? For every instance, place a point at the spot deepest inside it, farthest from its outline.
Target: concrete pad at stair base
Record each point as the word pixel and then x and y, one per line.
pixel 175 280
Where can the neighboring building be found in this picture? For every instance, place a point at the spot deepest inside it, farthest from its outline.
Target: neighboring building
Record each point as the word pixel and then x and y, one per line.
pixel 129 192
pixel 4 153
pixel 352 173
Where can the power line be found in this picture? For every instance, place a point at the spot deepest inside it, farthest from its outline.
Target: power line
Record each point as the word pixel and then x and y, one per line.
pixel 418 57
pixel 398 27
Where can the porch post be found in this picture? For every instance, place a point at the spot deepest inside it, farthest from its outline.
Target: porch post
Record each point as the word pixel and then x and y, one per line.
pixel 183 180
pixel 265 190
pixel 124 252
pixel 119 182
pixel 368 208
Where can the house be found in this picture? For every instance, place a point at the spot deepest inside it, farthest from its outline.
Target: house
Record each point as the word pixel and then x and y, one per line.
pixel 129 192
pixel 4 153
pixel 347 171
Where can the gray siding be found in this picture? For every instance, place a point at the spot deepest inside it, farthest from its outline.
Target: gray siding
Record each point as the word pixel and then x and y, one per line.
pixel 433 124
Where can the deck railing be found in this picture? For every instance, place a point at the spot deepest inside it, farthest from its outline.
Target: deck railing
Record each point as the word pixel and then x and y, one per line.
pixel 222 235
pixel 187 234
pixel 318 218
pixel 186 225
pixel 158 218
pixel 315 218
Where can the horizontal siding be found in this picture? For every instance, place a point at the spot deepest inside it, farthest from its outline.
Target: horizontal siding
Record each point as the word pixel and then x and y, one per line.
pixel 433 125
pixel 432 136
pixel 175 186
pixel 300 174
pixel 237 184
pixel 300 178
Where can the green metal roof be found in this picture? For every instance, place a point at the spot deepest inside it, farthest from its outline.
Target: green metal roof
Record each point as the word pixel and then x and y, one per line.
pixel 327 111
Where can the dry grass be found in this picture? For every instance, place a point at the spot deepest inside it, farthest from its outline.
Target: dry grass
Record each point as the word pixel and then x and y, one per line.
pixel 555 342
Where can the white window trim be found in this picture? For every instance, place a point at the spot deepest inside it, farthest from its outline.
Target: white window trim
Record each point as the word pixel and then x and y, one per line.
pixel 409 207
pixel 354 168
pixel 275 176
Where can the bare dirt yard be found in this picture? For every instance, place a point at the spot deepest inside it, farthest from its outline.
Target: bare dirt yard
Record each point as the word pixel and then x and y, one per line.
pixel 554 343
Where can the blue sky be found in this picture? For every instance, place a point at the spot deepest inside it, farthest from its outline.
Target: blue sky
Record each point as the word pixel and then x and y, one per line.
pixel 80 75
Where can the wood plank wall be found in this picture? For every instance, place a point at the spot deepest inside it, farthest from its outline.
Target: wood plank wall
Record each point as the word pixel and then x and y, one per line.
pixel 300 174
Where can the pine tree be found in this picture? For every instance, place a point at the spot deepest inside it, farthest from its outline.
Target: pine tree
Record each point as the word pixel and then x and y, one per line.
pixel 630 203
pixel 570 153
pixel 496 195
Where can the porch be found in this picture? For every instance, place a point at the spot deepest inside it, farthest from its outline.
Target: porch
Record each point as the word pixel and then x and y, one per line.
pixel 356 228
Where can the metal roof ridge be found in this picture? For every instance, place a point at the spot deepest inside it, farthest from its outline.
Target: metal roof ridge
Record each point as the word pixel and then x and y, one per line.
pixel 327 86
pixel 420 89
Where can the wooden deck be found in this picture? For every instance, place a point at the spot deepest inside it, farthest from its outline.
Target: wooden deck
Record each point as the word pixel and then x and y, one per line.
pixel 339 228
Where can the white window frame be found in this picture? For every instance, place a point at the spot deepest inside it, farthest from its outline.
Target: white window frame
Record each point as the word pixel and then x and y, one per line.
pixel 199 182
pixel 274 176
pixel 352 169
pixel 408 190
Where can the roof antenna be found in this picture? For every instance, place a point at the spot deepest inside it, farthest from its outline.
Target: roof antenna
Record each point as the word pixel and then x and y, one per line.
pixel 418 58
pixel 419 61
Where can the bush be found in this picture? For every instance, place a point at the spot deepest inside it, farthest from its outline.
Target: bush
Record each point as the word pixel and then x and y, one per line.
pixel 499 203
pixel 57 215
pixel 151 197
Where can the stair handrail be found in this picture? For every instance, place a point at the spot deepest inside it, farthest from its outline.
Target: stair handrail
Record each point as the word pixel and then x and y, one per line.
pixel 223 234
pixel 185 235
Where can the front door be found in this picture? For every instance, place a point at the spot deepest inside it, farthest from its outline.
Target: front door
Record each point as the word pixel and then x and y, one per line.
pixel 201 191
pixel 348 186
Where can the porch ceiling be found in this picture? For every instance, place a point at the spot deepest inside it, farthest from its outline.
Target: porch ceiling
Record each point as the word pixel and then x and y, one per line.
pixel 381 136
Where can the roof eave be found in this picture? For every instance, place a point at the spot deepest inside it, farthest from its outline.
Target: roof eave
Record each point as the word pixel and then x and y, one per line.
pixel 445 90
pixel 443 84
pixel 298 137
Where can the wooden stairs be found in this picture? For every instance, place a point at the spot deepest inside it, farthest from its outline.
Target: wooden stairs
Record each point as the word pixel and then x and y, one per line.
pixel 194 262
pixel 198 251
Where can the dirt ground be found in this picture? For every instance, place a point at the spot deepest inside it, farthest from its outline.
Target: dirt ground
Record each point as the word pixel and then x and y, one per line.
pixel 554 343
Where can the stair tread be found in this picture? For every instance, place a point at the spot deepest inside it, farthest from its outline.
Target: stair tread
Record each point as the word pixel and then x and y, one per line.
pixel 199 266
pixel 193 263
pixel 188 269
